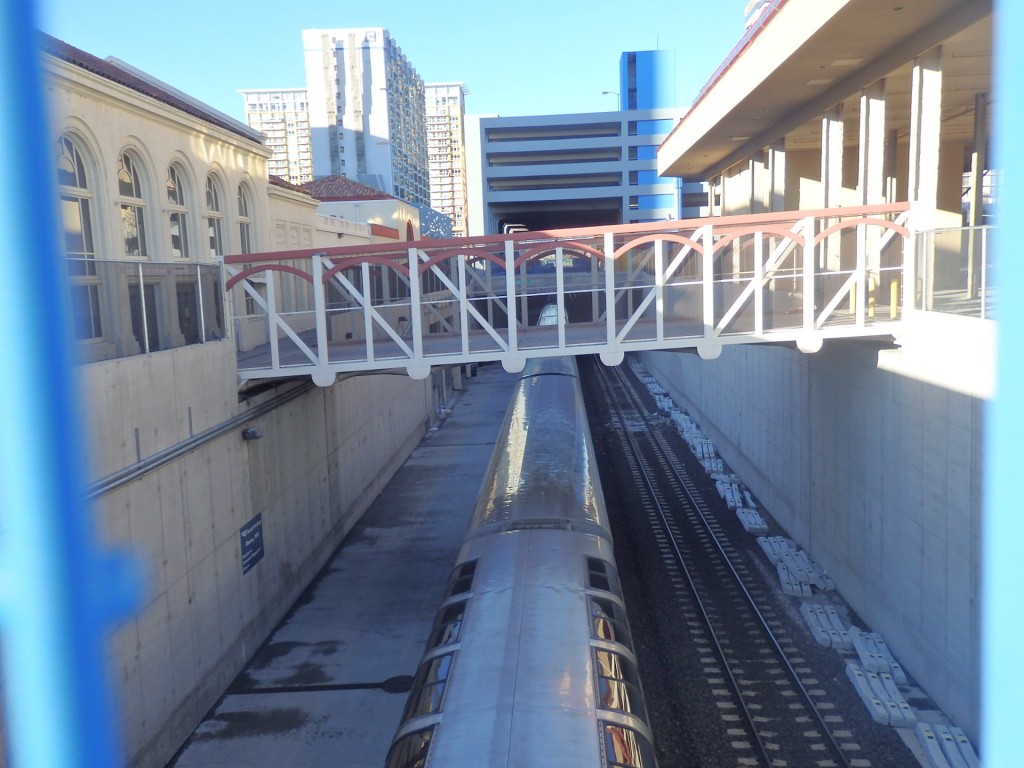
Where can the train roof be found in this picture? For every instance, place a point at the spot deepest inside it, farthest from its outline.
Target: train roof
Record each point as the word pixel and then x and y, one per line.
pixel 534 675
pixel 543 472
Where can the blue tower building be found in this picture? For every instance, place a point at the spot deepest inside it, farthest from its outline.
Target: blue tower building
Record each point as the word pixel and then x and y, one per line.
pixel 647 80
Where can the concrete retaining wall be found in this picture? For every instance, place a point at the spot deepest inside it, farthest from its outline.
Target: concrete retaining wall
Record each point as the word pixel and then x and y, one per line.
pixel 322 459
pixel 875 473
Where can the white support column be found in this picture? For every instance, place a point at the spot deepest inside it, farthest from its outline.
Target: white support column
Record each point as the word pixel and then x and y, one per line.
pixel 463 305
pixel 975 218
pixel 808 287
pixel 628 283
pixel 979 157
pixel 871 190
pixel 831 178
pixel 659 288
pixel 524 298
pixel 202 315
pixel 510 296
pixel 228 305
pixel 320 310
pixel 145 320
pixel 708 282
pixel 758 283
pixel 925 129
pixel 809 340
pixel 871 155
pixel 832 156
pixel 416 310
pixel 609 287
pixel 865 286
pixel 755 201
pixel 275 352
pixel 560 296
pixel 368 306
pixel 909 276
pixel 777 176
pixel 892 145
pixel 489 269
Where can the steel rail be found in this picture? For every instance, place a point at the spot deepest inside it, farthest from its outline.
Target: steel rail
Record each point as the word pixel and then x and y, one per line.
pixel 636 458
pixel 695 500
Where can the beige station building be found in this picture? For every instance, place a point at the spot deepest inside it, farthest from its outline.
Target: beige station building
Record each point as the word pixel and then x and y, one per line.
pixel 155 189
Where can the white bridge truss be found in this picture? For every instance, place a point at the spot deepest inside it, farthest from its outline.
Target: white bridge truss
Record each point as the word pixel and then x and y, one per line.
pixel 798 277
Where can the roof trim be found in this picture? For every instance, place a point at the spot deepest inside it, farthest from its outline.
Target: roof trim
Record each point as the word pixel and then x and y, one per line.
pixel 134 79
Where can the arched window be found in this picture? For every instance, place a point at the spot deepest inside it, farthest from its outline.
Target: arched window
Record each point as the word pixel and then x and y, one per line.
pixel 244 220
pixel 76 217
pixel 177 205
pixel 133 223
pixel 75 200
pixel 214 218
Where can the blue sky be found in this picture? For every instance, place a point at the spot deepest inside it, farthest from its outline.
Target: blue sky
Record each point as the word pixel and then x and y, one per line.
pixel 517 58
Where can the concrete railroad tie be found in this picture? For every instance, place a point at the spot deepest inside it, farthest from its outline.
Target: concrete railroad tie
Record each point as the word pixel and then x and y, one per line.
pixel 826 626
pixel 881 696
pixel 875 655
pixel 713 465
pixel 752 521
pixel 730 493
pixel 782 551
pixel 946 746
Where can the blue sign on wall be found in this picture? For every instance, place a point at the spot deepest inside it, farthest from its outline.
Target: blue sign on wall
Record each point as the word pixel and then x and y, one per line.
pixel 252 542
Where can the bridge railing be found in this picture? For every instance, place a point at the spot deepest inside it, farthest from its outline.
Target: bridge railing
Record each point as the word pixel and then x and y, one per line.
pixel 954 271
pixel 703 283
pixel 123 308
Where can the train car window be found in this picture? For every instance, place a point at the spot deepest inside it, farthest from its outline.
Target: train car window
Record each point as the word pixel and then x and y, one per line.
pixel 461 579
pixel 448 627
pixel 618 684
pixel 608 622
pixel 602 576
pixel 410 751
pixel 625 748
pixel 428 687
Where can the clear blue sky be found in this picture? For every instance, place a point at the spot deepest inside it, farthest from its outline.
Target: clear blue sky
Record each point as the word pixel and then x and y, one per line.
pixel 516 58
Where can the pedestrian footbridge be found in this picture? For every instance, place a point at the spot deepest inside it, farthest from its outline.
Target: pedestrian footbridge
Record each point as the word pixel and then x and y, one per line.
pixel 797 277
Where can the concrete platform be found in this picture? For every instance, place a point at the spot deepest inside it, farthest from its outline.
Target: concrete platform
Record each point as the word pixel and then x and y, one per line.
pixel 329 685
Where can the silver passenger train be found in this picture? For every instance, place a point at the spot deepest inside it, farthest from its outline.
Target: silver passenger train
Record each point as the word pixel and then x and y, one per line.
pixel 530 661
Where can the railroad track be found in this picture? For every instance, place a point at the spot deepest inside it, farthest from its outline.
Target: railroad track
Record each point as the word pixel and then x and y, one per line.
pixel 769 716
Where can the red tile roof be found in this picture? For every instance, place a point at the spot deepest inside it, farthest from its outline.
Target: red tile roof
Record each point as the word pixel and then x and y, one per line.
pixel 329 189
pixel 277 181
pixel 148 86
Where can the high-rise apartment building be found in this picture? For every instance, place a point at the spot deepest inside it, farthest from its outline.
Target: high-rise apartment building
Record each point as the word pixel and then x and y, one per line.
pixel 446 152
pixel 366 111
pixel 282 115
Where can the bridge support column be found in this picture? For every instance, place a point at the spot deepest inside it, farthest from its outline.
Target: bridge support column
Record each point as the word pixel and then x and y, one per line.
pixel 831 179
pixel 925 130
pixel 871 188
pixel 975 216
pixel 609 287
pixel 776 191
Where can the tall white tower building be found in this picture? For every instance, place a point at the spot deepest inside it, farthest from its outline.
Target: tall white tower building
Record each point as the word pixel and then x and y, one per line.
pixel 366 111
pixel 446 152
pixel 282 116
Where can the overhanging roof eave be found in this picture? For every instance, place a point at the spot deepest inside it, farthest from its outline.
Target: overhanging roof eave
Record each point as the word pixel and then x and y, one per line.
pixel 695 151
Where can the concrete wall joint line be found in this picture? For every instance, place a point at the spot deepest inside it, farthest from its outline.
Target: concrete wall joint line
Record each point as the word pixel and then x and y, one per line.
pixel 151 463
